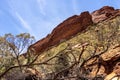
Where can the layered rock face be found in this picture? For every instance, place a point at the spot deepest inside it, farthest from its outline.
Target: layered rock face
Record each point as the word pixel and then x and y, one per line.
pixel 104 62
pixel 73 25
pixel 64 31
pixel 104 13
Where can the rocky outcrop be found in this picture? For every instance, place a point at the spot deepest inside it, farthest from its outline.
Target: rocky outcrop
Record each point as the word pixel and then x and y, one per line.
pixel 73 25
pixel 104 13
pixel 64 31
pixel 108 64
pixel 102 64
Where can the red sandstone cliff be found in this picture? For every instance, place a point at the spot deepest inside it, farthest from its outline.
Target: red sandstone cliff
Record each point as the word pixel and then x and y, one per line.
pixel 104 13
pixel 65 30
pixel 72 26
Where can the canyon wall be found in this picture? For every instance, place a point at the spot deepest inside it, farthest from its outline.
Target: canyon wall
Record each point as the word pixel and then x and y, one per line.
pixel 73 25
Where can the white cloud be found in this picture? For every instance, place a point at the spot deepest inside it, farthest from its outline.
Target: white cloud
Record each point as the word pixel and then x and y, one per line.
pixel 24 23
pixel 42 4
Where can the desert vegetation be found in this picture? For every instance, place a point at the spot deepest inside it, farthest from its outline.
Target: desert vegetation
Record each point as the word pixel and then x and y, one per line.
pixel 90 55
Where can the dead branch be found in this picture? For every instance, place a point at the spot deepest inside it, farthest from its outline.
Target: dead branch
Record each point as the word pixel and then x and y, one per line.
pixel 45 63
pixel 70 67
pixel 94 56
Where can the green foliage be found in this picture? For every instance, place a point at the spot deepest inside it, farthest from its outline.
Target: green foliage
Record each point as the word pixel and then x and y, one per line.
pixel 11 47
pixel 19 43
pixel 61 62
pixel 98 36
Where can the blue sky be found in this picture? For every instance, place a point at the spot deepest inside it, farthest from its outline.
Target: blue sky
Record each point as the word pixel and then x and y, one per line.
pixel 39 17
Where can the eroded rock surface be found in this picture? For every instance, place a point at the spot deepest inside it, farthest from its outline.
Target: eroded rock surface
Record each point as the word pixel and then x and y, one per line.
pixel 104 13
pixel 64 31
pixel 110 62
pixel 73 25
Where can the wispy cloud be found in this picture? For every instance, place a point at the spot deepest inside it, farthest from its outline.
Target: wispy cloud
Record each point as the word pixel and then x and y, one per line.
pixel 42 4
pixel 24 23
pixel 0 12
pixel 74 4
pixel 13 11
